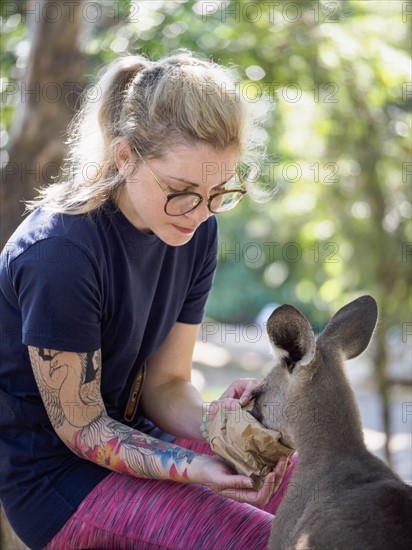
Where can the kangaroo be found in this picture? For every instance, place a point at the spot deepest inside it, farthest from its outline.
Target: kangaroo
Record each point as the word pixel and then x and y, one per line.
pixel 340 497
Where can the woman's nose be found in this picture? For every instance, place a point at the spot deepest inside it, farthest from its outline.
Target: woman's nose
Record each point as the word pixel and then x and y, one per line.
pixel 201 213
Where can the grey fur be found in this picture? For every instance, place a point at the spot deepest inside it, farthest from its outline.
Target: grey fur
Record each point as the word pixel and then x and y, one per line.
pixel 341 497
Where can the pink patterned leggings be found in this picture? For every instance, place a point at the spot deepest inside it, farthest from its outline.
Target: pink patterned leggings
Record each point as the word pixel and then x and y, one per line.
pixel 123 512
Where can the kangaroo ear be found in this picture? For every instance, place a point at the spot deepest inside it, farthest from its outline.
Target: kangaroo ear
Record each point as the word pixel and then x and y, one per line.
pixel 291 336
pixel 351 328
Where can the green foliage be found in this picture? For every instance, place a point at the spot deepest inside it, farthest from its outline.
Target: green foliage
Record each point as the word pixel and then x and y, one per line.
pixel 338 75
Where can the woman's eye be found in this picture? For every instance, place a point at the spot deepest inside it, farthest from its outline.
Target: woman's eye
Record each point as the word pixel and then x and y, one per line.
pixel 173 190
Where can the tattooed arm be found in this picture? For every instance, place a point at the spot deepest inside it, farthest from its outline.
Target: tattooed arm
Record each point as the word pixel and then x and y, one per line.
pixel 69 384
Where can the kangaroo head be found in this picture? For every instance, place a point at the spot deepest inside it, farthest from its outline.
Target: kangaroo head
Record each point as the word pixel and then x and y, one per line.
pixel 306 370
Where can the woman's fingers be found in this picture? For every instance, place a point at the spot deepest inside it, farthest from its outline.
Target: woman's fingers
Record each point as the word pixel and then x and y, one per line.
pixel 261 497
pixel 247 392
pixel 237 389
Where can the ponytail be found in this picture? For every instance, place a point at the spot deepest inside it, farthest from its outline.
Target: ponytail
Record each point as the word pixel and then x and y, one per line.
pixel 89 175
pixel 113 88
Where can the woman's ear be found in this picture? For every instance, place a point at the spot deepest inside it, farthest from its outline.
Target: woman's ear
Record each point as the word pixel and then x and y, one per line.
pixel 123 158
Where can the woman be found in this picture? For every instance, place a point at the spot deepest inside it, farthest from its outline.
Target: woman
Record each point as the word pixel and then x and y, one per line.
pixel 103 288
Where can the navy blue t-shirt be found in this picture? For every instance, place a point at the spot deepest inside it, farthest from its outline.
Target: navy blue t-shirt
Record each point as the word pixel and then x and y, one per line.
pixel 79 283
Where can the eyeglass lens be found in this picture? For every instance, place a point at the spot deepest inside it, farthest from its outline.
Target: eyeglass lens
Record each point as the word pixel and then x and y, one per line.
pixel 184 203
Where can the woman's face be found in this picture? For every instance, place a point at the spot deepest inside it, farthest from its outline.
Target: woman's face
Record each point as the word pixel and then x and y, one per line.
pixel 198 169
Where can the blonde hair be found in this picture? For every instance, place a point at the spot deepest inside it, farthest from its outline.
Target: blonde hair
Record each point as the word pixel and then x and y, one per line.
pixel 152 105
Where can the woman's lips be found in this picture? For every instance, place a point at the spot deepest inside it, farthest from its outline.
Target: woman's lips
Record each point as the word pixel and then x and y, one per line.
pixel 184 230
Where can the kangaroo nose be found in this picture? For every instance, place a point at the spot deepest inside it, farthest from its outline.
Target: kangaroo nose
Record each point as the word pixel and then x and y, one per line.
pixel 254 412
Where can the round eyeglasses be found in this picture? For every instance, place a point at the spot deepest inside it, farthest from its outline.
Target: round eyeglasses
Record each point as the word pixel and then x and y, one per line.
pixel 183 202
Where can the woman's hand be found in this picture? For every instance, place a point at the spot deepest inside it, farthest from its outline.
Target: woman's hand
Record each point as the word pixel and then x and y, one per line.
pixel 218 476
pixel 222 479
pixel 241 389
pixel 238 394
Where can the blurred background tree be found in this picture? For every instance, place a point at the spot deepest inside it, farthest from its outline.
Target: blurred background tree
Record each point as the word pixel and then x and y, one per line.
pixel 337 81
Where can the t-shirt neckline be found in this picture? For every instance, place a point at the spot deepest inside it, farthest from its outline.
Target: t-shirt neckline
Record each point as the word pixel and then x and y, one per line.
pixel 146 239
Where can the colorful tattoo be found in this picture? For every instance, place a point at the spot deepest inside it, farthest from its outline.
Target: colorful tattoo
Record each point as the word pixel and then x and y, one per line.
pixel 118 447
pixel 70 387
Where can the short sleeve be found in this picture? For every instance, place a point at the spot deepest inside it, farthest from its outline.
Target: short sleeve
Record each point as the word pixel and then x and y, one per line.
pixel 59 293
pixel 193 308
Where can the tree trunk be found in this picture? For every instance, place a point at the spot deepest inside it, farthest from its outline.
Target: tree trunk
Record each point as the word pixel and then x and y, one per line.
pixel 48 97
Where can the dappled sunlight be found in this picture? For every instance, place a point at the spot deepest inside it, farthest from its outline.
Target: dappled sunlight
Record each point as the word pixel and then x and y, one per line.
pixel 328 212
pixel 400 447
pixel 400 442
pixel 251 361
pixel 374 440
pixel 210 355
